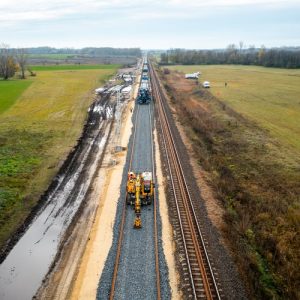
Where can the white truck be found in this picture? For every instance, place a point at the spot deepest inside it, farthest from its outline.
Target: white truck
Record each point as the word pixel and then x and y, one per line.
pixel 192 75
pixel 206 84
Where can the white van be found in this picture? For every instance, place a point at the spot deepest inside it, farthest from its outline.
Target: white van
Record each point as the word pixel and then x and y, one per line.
pixel 206 84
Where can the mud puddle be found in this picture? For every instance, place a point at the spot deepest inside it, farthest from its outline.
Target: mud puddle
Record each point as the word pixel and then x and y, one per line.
pixel 23 270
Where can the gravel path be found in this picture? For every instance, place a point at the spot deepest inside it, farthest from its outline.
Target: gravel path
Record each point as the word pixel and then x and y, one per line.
pixel 136 276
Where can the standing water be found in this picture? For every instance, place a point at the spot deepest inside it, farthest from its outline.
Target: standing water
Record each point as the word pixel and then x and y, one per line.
pixel 23 270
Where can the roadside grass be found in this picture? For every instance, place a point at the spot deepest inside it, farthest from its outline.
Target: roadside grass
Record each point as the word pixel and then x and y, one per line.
pixel 268 96
pixel 36 135
pixel 254 171
pixel 10 91
pixel 73 67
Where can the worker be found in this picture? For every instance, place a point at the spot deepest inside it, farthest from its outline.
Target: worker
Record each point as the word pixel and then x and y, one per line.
pixel 225 84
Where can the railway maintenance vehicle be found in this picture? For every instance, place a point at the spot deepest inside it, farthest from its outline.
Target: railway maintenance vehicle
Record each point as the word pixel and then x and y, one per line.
pixel 144 94
pixel 140 191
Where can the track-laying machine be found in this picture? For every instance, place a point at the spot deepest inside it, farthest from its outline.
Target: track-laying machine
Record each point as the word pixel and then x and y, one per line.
pixel 140 191
pixel 144 94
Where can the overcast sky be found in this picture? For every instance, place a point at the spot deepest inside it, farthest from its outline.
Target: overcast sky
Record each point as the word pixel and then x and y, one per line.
pixel 149 24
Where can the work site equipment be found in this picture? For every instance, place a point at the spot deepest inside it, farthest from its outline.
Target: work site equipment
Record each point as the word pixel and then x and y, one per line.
pixel 144 94
pixel 144 183
pixel 147 190
pixel 140 191
pixel 131 181
pixel 137 222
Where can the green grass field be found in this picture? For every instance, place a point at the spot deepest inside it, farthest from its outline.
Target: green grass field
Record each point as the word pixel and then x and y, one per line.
pixel 51 56
pixel 41 120
pixel 10 91
pixel 73 67
pixel 268 96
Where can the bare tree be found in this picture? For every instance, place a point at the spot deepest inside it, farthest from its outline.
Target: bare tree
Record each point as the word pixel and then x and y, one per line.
pixel 232 52
pixel 251 48
pixel 21 56
pixel 7 62
pixel 241 44
pixel 261 54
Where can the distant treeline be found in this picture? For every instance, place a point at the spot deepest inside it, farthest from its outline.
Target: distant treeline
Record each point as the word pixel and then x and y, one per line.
pixel 274 57
pixel 90 51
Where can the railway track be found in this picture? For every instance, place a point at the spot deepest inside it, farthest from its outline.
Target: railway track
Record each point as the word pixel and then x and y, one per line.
pixel 197 269
pixel 125 208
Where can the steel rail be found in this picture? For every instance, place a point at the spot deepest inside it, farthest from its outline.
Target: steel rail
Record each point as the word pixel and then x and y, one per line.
pixel 121 228
pixel 189 216
pixel 157 269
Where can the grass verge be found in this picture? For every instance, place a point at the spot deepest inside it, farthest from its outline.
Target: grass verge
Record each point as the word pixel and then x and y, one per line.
pixel 36 134
pixel 10 91
pixel 73 67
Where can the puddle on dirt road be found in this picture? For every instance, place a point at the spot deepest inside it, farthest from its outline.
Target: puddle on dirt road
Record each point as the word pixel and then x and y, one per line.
pixel 23 270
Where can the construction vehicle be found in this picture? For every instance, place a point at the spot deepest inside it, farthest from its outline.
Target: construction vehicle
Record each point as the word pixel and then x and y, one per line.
pixel 145 67
pixel 144 93
pixel 144 96
pixel 140 191
pixel 146 186
pixel 145 76
pixel 131 182
pixel 147 190
pixel 137 222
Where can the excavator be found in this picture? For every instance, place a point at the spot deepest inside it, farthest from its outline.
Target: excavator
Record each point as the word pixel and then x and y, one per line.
pixel 140 191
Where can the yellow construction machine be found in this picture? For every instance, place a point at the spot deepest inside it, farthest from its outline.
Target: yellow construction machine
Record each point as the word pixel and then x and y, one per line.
pixel 147 190
pixel 140 191
pixel 131 181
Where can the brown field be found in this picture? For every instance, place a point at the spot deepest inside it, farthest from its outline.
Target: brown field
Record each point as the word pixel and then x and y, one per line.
pixel 255 174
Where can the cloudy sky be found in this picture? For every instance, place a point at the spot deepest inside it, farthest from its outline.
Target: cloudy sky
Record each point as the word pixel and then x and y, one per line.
pixel 149 24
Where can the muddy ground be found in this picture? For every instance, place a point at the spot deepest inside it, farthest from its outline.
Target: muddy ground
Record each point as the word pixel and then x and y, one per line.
pixel 78 265
pixel 65 171
pixel 37 241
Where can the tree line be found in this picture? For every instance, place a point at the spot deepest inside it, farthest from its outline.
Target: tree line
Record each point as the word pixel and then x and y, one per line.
pixel 12 60
pixel 235 54
pixel 15 59
pixel 91 51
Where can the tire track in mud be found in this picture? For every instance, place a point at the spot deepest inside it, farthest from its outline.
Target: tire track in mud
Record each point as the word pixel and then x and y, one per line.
pixel 37 241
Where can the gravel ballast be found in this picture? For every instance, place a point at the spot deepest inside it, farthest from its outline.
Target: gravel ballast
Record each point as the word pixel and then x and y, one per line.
pixel 136 274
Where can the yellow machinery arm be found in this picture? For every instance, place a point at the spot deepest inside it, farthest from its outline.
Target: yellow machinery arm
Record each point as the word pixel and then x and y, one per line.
pixel 140 191
pixel 137 205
